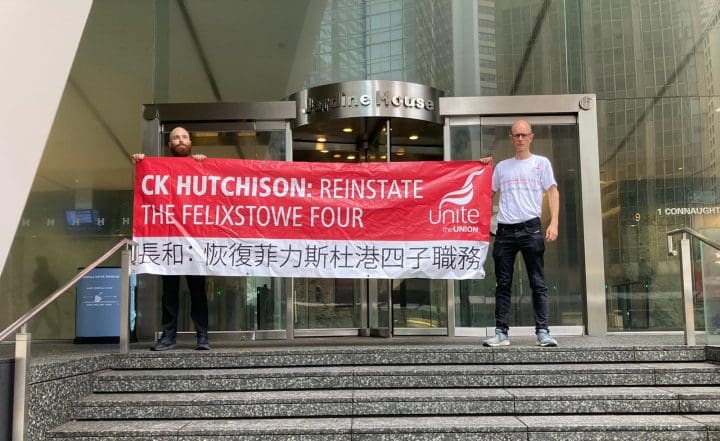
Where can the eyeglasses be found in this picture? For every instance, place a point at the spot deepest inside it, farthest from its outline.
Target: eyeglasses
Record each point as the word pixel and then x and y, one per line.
pixel 521 135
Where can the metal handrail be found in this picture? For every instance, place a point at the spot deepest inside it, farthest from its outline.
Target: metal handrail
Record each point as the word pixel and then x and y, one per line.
pixel 22 321
pixel 693 233
pixel 23 339
pixel 686 274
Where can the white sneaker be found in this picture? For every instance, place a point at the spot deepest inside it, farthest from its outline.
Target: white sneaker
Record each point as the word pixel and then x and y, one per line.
pixel 544 339
pixel 500 339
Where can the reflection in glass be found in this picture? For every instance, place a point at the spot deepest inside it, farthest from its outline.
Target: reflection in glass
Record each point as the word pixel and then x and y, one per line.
pixel 327 303
pixel 381 319
pixel 657 175
pixel 419 303
pixel 54 240
pixel 240 144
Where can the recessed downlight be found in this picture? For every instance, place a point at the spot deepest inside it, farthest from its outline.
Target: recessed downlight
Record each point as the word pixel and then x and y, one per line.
pixel 321 139
pixel 413 137
pixel 347 129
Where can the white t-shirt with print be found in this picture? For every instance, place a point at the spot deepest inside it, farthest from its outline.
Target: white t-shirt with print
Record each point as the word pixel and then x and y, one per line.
pixel 521 184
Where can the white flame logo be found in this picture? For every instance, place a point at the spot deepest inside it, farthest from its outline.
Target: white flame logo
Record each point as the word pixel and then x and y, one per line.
pixel 464 195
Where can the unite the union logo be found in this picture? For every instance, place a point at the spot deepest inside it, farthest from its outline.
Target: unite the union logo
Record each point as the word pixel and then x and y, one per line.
pixel 452 211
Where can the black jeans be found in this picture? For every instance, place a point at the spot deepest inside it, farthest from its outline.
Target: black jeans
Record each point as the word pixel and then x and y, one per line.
pixel 171 304
pixel 528 239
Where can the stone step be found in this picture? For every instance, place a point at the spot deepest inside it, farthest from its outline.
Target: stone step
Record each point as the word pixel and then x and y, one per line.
pixel 421 376
pixel 402 355
pixel 438 428
pixel 413 402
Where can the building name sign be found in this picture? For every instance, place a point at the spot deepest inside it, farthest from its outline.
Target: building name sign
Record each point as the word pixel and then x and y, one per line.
pixel 382 98
pixel 681 211
pixel 367 99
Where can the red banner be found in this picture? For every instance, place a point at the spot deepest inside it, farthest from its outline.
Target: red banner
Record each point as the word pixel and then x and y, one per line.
pixel 281 219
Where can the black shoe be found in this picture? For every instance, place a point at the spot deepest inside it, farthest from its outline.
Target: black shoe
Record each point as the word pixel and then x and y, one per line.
pixel 163 345
pixel 202 343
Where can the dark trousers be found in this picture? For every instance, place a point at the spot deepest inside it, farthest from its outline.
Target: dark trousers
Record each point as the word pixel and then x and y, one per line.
pixel 528 239
pixel 171 304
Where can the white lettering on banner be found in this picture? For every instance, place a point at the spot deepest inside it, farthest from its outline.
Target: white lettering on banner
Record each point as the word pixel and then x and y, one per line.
pixel 460 215
pixel 461 229
pixel 162 214
pixel 254 215
pixel 678 211
pixel 240 215
pixel 159 182
pixel 371 188
pixel 343 217
pixel 255 186
pixel 270 219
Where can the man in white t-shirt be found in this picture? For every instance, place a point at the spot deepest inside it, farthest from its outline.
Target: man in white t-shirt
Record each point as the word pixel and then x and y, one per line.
pixel 522 181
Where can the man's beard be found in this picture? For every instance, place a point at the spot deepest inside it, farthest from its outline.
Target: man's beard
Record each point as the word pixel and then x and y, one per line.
pixel 181 150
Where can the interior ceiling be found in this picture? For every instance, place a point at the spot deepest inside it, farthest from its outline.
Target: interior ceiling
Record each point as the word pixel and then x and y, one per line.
pixel 368 129
pixel 245 47
pixel 135 52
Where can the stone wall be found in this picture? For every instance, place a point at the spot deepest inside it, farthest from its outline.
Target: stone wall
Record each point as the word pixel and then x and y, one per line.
pixel 54 384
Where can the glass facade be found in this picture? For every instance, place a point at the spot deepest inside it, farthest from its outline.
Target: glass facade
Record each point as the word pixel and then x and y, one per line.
pixel 652 68
pixel 652 64
pixel 401 40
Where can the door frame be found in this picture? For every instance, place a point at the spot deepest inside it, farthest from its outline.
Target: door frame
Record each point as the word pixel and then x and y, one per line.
pixel 214 116
pixel 583 108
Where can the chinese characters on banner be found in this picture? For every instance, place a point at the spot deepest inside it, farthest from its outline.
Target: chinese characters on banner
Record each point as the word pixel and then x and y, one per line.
pixel 271 218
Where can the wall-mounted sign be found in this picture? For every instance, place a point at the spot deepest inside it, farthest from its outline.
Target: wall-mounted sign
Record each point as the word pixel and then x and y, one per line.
pixel 371 98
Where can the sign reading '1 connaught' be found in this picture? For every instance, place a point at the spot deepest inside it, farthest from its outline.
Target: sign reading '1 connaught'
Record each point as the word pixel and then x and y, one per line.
pixel 371 98
pixel 272 218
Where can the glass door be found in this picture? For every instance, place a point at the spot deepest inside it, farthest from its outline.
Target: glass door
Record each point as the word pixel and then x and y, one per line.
pixel 555 138
pixel 248 307
pixel 565 131
pixel 239 307
pixel 336 307
pixel 419 306
pixel 358 306
pixel 327 306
